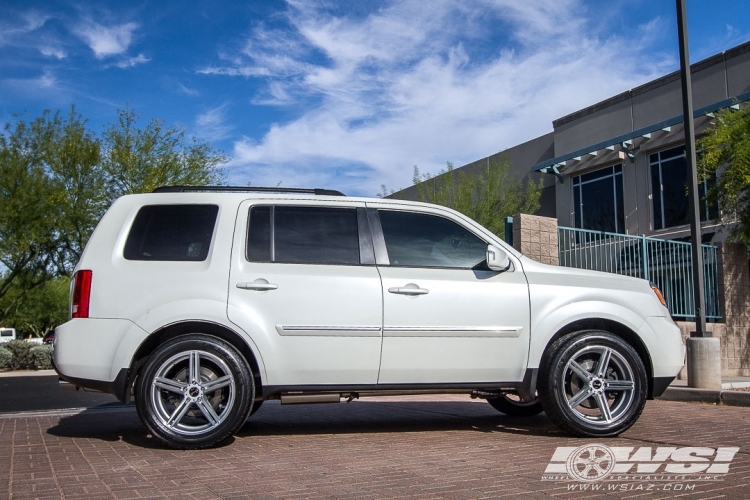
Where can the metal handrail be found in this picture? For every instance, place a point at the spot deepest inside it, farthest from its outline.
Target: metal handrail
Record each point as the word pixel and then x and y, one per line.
pixel 665 262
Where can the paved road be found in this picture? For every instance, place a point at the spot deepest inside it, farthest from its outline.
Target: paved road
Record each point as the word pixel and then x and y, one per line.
pixel 34 393
pixel 424 448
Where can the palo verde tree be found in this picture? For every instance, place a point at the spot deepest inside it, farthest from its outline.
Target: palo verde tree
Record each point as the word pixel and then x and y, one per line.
pixel 42 309
pixel 47 168
pixel 138 160
pixel 56 180
pixel 726 154
pixel 487 196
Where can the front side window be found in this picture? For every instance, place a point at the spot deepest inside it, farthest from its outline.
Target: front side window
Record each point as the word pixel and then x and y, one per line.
pixel 171 233
pixel 598 200
pixel 421 240
pixel 303 235
pixel 669 192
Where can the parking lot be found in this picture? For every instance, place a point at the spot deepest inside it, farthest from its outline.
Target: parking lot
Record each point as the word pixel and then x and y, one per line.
pixel 406 447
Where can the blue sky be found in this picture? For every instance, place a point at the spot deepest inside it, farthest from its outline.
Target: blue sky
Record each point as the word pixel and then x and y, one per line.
pixel 346 94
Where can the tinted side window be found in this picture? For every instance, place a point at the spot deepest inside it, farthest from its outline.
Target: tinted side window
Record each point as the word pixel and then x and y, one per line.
pixel 303 235
pixel 171 233
pixel 421 240
pixel 259 235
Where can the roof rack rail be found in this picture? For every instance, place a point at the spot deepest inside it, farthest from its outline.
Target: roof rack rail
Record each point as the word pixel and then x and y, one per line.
pixel 248 189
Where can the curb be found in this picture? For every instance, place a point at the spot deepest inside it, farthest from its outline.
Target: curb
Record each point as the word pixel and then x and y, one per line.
pixel 28 373
pixel 690 395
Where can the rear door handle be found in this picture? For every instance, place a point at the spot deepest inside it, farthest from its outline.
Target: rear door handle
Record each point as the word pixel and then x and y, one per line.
pixel 410 289
pixel 259 285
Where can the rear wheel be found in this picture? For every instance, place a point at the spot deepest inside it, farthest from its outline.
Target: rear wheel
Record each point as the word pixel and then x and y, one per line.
pixel 194 391
pixel 513 405
pixel 593 384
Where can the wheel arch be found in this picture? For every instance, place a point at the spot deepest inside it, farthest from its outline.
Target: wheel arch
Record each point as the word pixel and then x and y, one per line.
pixel 175 330
pixel 610 326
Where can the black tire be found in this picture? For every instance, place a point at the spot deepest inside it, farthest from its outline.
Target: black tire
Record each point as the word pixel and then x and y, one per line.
pixel 513 406
pixel 593 384
pixel 194 391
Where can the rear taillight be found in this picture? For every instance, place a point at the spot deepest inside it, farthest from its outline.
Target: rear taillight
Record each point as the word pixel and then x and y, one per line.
pixel 81 294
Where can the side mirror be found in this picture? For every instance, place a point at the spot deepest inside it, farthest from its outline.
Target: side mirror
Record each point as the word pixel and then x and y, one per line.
pixel 497 258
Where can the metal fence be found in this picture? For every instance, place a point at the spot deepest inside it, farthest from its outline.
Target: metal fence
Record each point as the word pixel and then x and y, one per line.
pixel 666 263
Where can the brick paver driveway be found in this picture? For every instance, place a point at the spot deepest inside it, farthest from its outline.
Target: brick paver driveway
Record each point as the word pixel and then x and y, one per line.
pixel 439 447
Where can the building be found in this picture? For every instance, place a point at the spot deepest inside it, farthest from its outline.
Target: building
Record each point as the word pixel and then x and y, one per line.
pixel 618 165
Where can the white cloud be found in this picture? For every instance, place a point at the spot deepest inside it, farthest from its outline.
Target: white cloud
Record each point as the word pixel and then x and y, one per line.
pixel 276 96
pixel 52 51
pixel 212 125
pixel 187 91
pixel 106 41
pixel 129 62
pixel 15 30
pixel 408 85
pixel 46 83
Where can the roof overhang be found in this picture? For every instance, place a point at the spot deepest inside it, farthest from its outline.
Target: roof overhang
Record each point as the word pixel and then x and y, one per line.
pixel 622 145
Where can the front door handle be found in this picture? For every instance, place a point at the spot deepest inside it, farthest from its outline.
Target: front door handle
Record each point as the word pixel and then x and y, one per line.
pixel 410 289
pixel 259 285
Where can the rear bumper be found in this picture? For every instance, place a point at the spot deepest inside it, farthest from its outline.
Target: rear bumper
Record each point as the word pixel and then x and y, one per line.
pixel 119 387
pixel 96 354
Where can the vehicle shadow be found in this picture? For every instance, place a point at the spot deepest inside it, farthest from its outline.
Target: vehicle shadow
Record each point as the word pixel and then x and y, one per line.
pixel 109 422
pixel 391 417
pixel 117 422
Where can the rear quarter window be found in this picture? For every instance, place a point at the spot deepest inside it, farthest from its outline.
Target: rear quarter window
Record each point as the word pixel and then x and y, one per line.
pixel 171 233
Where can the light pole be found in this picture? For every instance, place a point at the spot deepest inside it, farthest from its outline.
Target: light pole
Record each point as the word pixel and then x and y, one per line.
pixel 704 353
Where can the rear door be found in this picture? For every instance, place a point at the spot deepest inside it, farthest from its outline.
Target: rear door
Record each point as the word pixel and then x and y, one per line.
pixel 304 286
pixel 447 317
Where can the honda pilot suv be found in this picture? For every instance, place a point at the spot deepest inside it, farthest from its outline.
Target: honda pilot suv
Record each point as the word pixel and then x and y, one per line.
pixel 202 303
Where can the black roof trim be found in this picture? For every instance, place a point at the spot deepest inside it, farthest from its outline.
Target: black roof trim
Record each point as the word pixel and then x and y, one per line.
pixel 248 189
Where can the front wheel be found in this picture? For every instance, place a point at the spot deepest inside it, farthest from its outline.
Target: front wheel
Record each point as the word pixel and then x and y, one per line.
pixel 194 391
pixel 593 384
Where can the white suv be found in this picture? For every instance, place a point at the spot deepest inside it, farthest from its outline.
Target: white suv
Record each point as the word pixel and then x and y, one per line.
pixel 204 304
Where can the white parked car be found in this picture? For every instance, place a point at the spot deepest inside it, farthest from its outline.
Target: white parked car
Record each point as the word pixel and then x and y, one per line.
pixel 204 303
pixel 7 334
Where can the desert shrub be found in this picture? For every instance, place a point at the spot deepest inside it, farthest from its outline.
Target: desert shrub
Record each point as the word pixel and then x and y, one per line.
pixel 20 351
pixel 5 358
pixel 41 357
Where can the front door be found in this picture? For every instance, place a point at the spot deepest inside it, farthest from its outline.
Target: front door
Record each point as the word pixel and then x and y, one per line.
pixel 447 317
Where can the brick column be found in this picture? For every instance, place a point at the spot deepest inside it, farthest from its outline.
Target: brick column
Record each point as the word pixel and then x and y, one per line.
pixel 734 299
pixel 536 237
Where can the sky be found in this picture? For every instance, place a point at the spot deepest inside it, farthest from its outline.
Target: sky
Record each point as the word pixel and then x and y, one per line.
pixel 346 94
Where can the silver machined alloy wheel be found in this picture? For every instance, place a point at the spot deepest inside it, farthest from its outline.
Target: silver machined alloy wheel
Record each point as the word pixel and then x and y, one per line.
pixel 593 384
pixel 599 385
pixel 194 391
